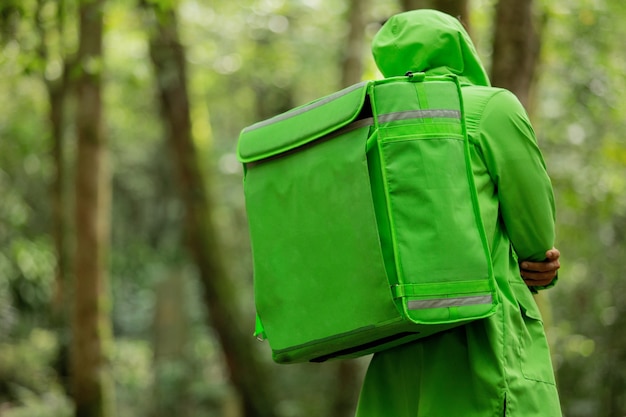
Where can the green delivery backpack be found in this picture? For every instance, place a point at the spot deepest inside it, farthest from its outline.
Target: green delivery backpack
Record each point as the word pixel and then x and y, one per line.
pixel 364 220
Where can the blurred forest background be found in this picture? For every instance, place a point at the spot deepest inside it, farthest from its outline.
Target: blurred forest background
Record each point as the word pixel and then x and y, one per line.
pixel 125 271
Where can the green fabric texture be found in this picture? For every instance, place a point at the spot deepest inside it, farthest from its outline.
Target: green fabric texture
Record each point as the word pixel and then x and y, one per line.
pixel 349 257
pixel 498 366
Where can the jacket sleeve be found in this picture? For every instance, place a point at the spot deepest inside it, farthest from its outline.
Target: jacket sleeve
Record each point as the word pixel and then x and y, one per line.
pixel 517 168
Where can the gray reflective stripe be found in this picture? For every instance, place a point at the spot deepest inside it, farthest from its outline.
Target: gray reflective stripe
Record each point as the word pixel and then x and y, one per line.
pixel 358 124
pixel 418 114
pixel 449 302
pixel 306 108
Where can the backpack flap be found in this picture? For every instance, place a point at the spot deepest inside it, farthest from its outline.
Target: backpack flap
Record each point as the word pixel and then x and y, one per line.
pixel 301 125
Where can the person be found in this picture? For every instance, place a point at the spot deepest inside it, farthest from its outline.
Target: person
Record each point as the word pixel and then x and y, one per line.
pixel 498 366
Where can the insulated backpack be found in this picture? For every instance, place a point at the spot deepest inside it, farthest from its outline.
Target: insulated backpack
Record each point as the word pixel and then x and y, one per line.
pixel 364 221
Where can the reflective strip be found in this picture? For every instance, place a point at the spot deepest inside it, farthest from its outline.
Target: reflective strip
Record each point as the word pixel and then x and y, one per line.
pixel 449 302
pixel 305 108
pixel 418 114
pixel 369 121
pixel 476 286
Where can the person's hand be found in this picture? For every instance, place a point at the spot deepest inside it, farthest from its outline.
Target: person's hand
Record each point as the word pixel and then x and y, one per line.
pixel 540 274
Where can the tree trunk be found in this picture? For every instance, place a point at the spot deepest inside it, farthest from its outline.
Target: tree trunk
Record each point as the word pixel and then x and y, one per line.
pixel 92 385
pixel 270 99
pixel 171 336
pixel 456 8
pixel 348 384
pixel 352 59
pixel 57 96
pixel 61 300
pixel 516 48
pixel 57 90
pixel 246 373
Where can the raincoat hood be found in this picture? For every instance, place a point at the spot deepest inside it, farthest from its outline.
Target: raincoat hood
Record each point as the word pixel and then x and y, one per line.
pixel 427 41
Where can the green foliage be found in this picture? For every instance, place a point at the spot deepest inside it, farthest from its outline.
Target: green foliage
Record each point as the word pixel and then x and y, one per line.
pixel 10 11
pixel 49 404
pixel 26 261
pixel 33 272
pixel 28 382
pixel 133 375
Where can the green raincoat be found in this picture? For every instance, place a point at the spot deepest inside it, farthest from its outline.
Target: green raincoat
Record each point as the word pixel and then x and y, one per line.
pixel 498 366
